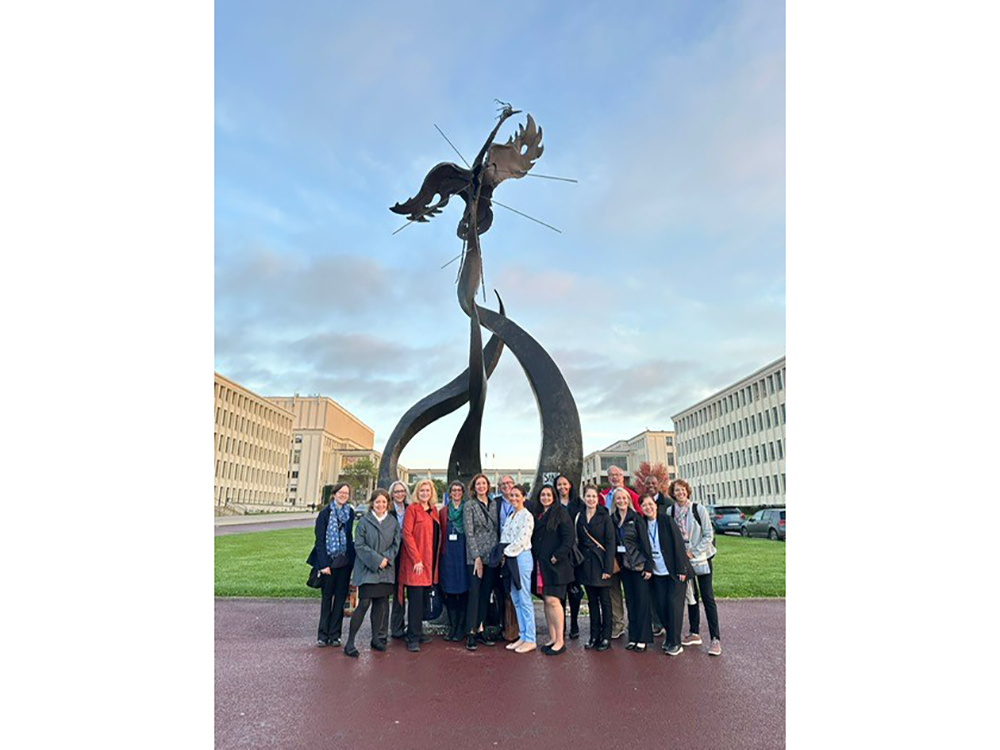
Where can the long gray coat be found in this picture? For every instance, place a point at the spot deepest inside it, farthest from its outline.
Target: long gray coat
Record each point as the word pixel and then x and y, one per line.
pixel 482 529
pixel 372 542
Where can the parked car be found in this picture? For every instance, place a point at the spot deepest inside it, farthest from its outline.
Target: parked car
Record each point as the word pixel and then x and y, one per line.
pixel 769 522
pixel 725 518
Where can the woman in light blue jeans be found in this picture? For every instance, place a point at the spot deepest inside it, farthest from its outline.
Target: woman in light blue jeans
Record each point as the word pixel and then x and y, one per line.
pixel 516 536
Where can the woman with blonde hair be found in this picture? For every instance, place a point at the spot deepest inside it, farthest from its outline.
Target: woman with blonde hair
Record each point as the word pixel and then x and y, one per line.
pixel 418 563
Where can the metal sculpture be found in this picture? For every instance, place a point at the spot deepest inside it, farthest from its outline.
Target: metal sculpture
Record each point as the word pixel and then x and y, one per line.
pixel 562 442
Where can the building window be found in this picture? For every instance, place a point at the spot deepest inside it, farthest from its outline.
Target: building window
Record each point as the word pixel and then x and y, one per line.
pixel 770 384
pixel 782 414
pixel 771 451
pixel 760 422
pixel 298 438
pixel 670 459
pixel 670 440
pixel 767 419
pixel 780 452
pixel 777 376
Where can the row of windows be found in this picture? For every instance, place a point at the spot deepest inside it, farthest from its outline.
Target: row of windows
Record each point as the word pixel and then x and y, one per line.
pixel 743 397
pixel 245 449
pixel 741 488
pixel 773 417
pixel 254 429
pixel 255 408
pixel 738 459
pixel 243 473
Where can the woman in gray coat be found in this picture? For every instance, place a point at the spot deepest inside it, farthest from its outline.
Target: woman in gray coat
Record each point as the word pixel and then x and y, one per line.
pixel 482 533
pixel 376 542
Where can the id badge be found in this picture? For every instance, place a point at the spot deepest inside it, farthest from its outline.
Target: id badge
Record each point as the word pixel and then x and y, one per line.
pixel 621 548
pixel 453 537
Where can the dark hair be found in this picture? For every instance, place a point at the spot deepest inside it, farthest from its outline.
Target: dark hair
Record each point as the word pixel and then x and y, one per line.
pixel 377 493
pixel 572 488
pixel 472 485
pixel 456 483
pixel 335 489
pixel 551 517
pixel 594 488
pixel 519 488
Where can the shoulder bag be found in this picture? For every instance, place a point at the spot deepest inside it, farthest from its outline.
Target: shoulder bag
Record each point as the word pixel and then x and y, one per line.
pixel 616 568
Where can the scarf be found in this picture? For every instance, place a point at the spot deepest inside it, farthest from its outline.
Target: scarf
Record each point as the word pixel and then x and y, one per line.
pixel 336 530
pixel 682 514
pixel 455 517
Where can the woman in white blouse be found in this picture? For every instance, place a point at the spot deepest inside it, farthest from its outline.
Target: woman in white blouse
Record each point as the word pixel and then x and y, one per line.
pixel 517 536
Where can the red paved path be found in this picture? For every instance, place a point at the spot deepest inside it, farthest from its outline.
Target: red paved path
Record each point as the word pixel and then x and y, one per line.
pixel 275 689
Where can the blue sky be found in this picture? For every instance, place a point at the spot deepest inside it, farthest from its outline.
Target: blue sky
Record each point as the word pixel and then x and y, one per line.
pixel 666 284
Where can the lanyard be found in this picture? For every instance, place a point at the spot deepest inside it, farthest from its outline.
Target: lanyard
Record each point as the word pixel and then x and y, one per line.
pixel 654 533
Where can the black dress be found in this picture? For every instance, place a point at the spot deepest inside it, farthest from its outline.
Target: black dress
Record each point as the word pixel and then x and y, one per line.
pixel 553 538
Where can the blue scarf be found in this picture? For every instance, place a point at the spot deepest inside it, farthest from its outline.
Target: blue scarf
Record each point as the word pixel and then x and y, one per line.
pixel 336 530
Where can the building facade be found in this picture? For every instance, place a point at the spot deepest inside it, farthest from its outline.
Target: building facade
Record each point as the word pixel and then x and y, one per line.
pixel 322 432
pixel 252 440
pixel 520 476
pixel 652 446
pixel 731 446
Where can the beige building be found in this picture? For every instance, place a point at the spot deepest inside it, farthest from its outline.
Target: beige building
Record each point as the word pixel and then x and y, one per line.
pixel 652 446
pixel 252 439
pixel 731 445
pixel 323 433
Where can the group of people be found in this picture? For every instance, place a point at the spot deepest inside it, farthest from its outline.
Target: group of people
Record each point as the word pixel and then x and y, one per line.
pixel 639 559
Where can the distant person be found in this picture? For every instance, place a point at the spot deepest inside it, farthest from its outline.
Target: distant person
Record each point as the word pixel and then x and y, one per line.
pixel 399 498
pixel 454 571
pixel 333 556
pixel 669 568
pixel 376 542
pixel 551 543
pixel 574 591
pixel 699 540
pixel 418 564
pixel 482 534
pixel 596 535
pixel 516 536
pixel 635 560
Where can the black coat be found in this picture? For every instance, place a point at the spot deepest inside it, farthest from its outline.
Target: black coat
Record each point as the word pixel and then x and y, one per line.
pixel 318 557
pixel 595 562
pixel 556 542
pixel 671 545
pixel 637 555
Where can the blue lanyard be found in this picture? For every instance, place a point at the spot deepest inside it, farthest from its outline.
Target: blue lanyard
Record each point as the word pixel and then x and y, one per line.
pixel 654 533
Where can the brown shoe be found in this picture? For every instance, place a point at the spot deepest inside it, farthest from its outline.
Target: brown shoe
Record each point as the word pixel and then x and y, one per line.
pixel 716 648
pixel 691 639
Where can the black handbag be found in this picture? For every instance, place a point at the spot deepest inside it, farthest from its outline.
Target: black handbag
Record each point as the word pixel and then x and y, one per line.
pixel 496 554
pixel 315 580
pixel 575 555
pixel 433 603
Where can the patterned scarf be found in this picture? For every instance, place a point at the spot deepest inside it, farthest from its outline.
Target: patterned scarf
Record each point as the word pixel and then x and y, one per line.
pixel 682 515
pixel 455 516
pixel 336 530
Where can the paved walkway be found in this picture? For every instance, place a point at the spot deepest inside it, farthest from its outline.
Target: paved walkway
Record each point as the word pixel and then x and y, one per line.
pixel 275 689
pixel 264 522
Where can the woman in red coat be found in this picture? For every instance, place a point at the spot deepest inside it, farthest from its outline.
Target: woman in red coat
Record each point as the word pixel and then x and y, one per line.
pixel 418 562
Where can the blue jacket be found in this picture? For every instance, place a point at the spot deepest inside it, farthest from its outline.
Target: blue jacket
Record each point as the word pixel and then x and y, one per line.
pixel 318 557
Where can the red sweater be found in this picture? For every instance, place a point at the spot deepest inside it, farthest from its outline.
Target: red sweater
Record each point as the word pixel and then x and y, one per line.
pixel 631 494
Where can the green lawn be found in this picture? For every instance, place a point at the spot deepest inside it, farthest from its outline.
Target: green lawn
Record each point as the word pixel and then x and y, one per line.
pixel 272 563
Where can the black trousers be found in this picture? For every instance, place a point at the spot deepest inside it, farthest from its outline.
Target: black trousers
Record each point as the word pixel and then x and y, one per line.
pixel 703 590
pixel 479 597
pixel 640 626
pixel 379 619
pixel 667 596
pixel 457 606
pixel 332 600
pixel 501 596
pixel 415 597
pixel 599 598
pixel 574 594
pixel 396 616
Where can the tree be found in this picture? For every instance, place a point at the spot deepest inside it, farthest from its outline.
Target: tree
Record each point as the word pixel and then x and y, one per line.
pixel 645 470
pixel 360 475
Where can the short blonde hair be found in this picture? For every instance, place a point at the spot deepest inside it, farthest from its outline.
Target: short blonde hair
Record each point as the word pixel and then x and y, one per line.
pixel 434 492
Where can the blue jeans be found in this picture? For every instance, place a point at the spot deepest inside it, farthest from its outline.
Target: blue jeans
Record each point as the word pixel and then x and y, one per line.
pixel 522 598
